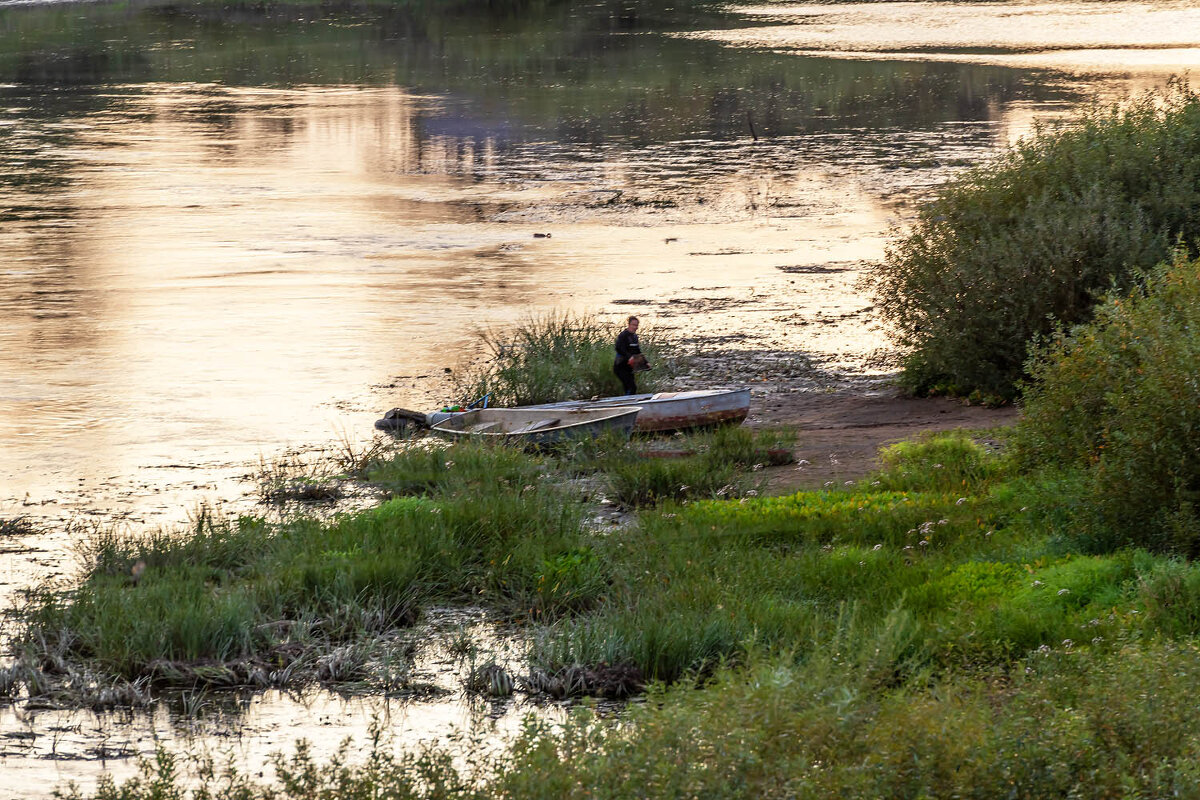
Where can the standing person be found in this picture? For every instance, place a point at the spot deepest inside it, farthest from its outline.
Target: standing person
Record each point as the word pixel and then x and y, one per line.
pixel 628 351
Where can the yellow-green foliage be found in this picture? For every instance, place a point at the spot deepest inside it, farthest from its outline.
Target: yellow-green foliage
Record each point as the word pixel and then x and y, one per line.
pixel 939 462
pixel 1119 399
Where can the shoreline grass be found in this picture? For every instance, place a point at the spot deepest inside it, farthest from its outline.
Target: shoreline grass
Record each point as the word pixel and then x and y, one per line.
pixel 907 633
pixel 557 356
pixel 949 553
pixel 19 526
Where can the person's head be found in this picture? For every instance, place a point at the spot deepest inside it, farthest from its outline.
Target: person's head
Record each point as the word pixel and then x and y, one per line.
pixel 632 324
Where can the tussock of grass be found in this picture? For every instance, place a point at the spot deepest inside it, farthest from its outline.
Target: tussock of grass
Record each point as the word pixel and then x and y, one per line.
pixel 558 356
pixel 18 526
pixel 718 467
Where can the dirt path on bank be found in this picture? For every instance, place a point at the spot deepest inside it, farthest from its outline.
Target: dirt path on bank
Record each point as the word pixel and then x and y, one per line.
pixel 840 433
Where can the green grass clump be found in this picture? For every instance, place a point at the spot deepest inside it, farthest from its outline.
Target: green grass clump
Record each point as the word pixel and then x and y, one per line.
pixel 558 356
pixel 944 462
pixel 636 482
pixel 1063 215
pixel 708 464
pixel 1118 401
pixel 261 596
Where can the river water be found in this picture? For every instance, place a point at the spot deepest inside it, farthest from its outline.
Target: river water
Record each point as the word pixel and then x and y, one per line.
pixel 228 232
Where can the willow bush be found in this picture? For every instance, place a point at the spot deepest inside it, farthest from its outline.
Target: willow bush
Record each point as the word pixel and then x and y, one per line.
pixel 1119 398
pixel 1032 238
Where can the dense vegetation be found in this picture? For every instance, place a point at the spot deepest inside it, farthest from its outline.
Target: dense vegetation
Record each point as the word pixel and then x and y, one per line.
pixel 557 357
pixel 926 633
pixel 1011 248
pixel 247 602
pixel 1115 405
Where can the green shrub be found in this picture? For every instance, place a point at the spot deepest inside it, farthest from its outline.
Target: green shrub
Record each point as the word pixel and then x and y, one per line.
pixel 1032 237
pixel 558 356
pixel 1170 592
pixel 1120 398
pixel 943 462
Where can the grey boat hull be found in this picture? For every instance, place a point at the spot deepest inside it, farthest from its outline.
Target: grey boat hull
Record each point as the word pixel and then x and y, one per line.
pixel 674 411
pixel 538 427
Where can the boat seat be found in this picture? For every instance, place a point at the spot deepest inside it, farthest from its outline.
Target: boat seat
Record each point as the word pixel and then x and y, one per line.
pixel 536 425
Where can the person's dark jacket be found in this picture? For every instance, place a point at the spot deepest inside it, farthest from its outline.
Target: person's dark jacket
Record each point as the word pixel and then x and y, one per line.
pixel 627 347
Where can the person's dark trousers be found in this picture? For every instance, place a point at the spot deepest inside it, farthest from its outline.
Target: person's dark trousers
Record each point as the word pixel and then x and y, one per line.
pixel 625 373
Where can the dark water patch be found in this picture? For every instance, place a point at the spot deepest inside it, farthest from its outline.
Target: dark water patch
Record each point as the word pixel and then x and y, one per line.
pixel 818 269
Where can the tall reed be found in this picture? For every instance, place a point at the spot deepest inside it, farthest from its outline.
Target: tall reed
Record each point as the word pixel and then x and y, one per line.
pixel 556 356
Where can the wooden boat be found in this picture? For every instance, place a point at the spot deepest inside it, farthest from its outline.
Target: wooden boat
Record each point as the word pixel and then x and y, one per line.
pixel 673 411
pixel 538 427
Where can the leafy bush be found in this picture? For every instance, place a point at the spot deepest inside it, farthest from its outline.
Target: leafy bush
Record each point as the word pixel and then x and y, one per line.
pixel 1035 235
pixel 1120 399
pixel 558 356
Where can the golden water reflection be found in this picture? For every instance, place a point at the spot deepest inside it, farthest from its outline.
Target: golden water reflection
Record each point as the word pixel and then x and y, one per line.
pixel 238 267
pixel 1160 37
